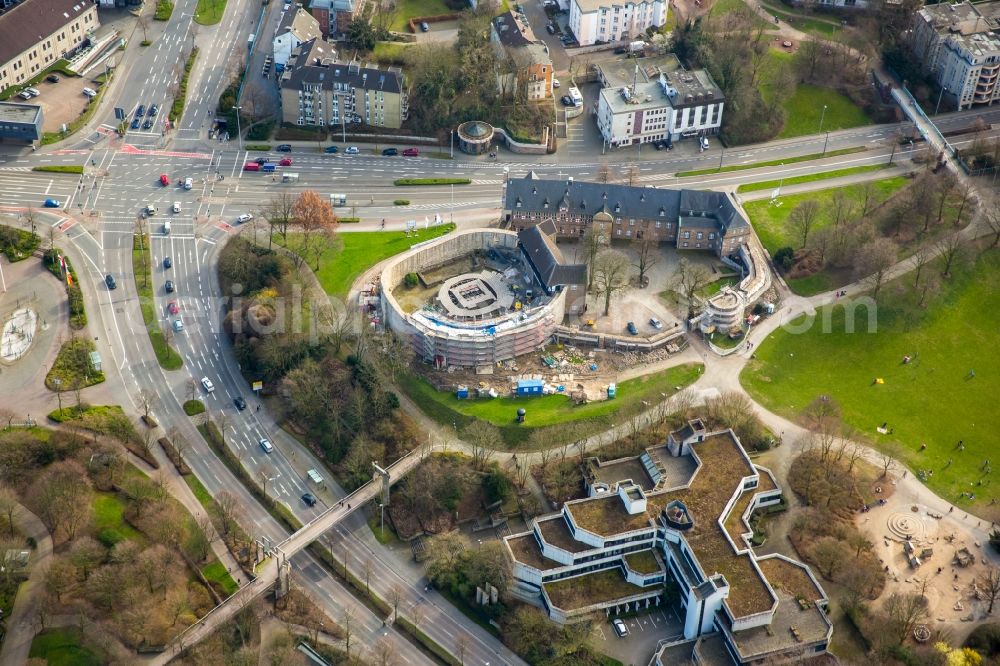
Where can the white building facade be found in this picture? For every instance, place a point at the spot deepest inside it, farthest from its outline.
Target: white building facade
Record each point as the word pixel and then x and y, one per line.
pixel 294 30
pixel 593 21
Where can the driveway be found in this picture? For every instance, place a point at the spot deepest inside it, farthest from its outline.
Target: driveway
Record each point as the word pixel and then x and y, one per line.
pixel 644 632
pixel 444 32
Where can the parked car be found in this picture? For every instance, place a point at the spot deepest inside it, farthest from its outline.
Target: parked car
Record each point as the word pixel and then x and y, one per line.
pixel 309 499
pixel 153 109
pixel 352 150
pixel 178 325
pixel 411 152
pixel 261 160
pixel 173 308
pixel 284 148
pixel 245 217
pixel 109 280
pixel 620 628
pixel 164 180
pixel 52 78
pixel 656 323
pixel 168 262
pixel 207 383
pixel 568 101
pixel 285 162
pixel 90 92
pixel 424 27
pixel 136 123
pixel 551 29
pixel 24 94
pixel 52 203
pixel 632 328
pixel 34 92
pixel 330 150
pixel 147 124
pixel 169 286
pixel 555 82
pixel 141 111
pixel 240 403
pixel 266 445
pixel 389 152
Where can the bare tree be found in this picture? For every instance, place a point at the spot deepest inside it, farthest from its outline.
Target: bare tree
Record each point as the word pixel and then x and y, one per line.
pixel 8 505
pixel 484 439
pixel 346 619
pixel 989 584
pixel 991 218
pixel 595 239
pixel 647 249
pixel 395 596
pixel 604 173
pixel 904 612
pixel 611 275
pixel 631 174
pixel 689 277
pixel 369 566
pixel 265 472
pixel 385 653
pixel 461 647
pixel 887 464
pixel 874 260
pixel 803 218
pixel 228 510
pixel 830 555
pixel 279 213
pixel 318 222
pixel 951 249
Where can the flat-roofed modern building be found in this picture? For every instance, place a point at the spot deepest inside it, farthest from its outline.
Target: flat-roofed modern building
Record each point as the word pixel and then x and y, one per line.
pixel 595 21
pixel 36 33
pixel 20 123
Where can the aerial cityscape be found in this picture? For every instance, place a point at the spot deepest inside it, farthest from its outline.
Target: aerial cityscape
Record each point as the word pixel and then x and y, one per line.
pixel 507 333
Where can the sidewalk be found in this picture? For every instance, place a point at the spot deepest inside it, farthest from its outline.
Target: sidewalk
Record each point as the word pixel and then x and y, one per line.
pixel 21 623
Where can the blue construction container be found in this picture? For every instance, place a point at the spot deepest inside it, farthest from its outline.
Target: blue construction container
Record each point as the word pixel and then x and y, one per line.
pixel 462 392
pixel 612 390
pixel 529 387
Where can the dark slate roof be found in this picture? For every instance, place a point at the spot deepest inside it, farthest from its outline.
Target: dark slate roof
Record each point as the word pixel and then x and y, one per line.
pixel 509 31
pixel 548 196
pixel 32 21
pixel 547 259
pixel 309 67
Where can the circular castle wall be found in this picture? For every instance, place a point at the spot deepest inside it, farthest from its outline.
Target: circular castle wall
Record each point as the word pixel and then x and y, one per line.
pixel 480 341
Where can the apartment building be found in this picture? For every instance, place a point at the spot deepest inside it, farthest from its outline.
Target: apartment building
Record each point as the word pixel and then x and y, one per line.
pixel 295 28
pixel 671 527
pixel 36 33
pixel 531 73
pixel 958 46
pixel 688 219
pixel 655 99
pixel 316 89
pixel 593 21
pixel 333 15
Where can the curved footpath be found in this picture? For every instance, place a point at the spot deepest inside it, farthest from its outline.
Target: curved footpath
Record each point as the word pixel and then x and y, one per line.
pixel 21 623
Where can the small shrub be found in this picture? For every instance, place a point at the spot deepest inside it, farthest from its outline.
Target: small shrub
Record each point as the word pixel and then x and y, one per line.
pixel 986 639
pixel 194 407
pixel 784 258
pixel 109 536
pixel 411 280
pixel 144 42
pixel 259 146
pixel 164 8
pixel 261 131
pixel 401 202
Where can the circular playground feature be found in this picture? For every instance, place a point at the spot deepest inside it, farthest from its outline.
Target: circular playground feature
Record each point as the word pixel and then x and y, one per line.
pixel 18 333
pixel 905 526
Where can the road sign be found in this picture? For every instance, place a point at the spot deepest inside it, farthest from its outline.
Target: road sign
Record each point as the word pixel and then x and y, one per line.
pixel 258 386
pixel 119 113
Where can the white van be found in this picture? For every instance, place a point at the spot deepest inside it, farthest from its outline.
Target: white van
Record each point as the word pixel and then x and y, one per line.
pixel 90 92
pixel 188 184
pixel 577 98
pixel 150 210
pixel 166 228
pixel 266 445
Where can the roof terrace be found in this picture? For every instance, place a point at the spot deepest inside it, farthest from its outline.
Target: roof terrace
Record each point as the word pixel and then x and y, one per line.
pixel 555 532
pixel 526 551
pixel 595 588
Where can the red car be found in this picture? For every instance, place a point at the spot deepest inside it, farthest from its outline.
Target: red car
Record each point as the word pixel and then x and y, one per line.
pixel 164 180
pixel 411 152
pixel 173 308
pixel 285 162
pixel 251 166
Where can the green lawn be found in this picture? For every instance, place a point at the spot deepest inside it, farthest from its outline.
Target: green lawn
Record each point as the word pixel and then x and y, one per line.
pixel 720 7
pixel 407 9
pixel 770 220
pixel 109 524
pixel 547 410
pixel 804 110
pixel 72 366
pixel 828 28
pixel 61 647
pixel 392 53
pixel 167 356
pixel 200 491
pixel 209 12
pixel 808 178
pixel 354 252
pixel 216 573
pixel 931 400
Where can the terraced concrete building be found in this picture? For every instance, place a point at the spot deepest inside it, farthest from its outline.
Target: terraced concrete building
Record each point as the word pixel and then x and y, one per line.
pixel 670 527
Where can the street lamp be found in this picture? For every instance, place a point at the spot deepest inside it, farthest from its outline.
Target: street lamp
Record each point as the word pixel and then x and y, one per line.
pixel 944 89
pixel 381 527
pixel 451 142
pixel 822 118
pixel 825 143
pixel 503 189
pixel 239 133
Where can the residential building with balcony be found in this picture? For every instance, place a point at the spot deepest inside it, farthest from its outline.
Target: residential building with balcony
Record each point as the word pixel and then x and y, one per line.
pixel 530 72
pixel 958 46
pixel 317 89
pixel 670 527
pixel 593 21
pixel 37 33
pixel 295 28
pixel 655 99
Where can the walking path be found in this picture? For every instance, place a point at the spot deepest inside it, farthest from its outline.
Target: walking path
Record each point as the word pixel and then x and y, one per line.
pixel 21 623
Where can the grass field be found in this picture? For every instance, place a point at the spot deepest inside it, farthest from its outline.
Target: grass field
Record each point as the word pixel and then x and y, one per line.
pixel 391 53
pixel 200 491
pixel 209 12
pixel 811 177
pixel 804 110
pixel 109 523
pixel 216 573
pixel 931 400
pixel 825 28
pixel 546 410
pixel 61 647
pixel 720 7
pixel 407 9
pixel 771 220
pixel 354 252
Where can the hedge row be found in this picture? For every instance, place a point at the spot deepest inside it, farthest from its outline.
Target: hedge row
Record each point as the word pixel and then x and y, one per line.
pixel 62 168
pixel 177 108
pixel 431 181
pixel 77 313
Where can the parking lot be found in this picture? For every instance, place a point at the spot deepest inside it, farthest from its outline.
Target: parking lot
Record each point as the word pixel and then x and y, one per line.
pixel 440 31
pixel 644 632
pixel 61 102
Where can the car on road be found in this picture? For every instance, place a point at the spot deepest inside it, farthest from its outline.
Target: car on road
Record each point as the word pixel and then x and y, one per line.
pixel 389 152
pixel 620 628
pixel 136 124
pixel 109 280
pixel 153 109
pixel 147 124
pixel 266 445
pixel 245 217
pixel 168 262
pixel 52 203
pixel 568 101
pixel 178 325
pixel 240 403
pixel 176 208
pixel 262 160
pixel 285 162
pixel 169 286
pixel 352 150
pixel 207 383
pixel 141 111
pixel 551 29
pixel 150 210
pixel 284 148
pixel 309 499
pixel 330 150
pixel 632 328
pixel 52 78
pixel 287 6
pixel 251 166
pixel 411 152
pixel 173 308
pixel 424 27
pixel 164 180
pixel 188 183
pixel 656 323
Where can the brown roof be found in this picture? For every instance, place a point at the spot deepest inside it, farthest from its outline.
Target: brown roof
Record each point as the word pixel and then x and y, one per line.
pixel 32 21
